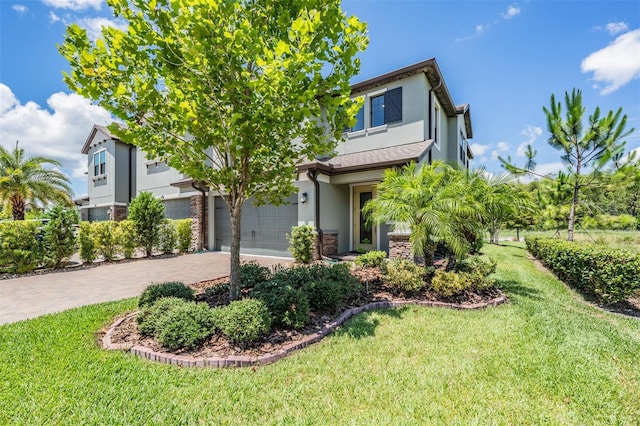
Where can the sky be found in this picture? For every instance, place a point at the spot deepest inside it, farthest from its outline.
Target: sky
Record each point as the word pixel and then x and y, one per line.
pixel 503 58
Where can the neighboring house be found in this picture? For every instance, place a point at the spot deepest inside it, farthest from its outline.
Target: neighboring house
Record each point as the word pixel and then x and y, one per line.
pixel 407 115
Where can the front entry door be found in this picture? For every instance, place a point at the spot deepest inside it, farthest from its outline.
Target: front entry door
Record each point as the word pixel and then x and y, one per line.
pixel 364 234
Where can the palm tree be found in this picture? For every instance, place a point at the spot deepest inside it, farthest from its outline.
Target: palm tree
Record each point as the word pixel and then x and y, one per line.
pixel 427 201
pixel 24 180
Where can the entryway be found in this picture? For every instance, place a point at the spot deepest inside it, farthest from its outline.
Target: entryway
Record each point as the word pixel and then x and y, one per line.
pixel 364 233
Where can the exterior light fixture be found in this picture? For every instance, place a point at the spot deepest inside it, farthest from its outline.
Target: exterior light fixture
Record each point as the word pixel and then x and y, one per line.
pixel 303 197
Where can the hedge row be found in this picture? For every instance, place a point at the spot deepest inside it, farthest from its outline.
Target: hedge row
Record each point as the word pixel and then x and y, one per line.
pixel 111 239
pixel 612 275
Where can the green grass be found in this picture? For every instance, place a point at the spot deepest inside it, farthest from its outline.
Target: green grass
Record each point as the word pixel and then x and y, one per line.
pixel 544 358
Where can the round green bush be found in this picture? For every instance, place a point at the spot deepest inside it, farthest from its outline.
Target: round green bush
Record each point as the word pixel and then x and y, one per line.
pixel 244 321
pixel 448 284
pixel 289 306
pixel 185 326
pixel 325 295
pixel 166 289
pixel 404 275
pixel 252 274
pixel 150 315
pixel 371 259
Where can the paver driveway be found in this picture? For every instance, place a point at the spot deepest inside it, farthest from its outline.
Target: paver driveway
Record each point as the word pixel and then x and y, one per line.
pixel 35 295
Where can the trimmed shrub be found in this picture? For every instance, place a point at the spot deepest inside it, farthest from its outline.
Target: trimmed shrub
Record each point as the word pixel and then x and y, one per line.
pixel 244 321
pixel 330 287
pixel 126 237
pixel 448 284
pixel 404 275
pixel 87 243
pixel 166 289
pixel 106 239
pixel 216 290
pixel 289 306
pixel 167 236
pixel 252 274
pixel 59 235
pixel 146 212
pixel 371 259
pixel 150 315
pixel 183 228
pixel 611 275
pixel 20 248
pixel 301 243
pixel 185 326
pixel 476 265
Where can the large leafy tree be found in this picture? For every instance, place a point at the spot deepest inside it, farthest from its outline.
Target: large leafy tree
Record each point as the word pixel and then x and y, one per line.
pixel 232 93
pixel 25 180
pixel 428 200
pixel 585 149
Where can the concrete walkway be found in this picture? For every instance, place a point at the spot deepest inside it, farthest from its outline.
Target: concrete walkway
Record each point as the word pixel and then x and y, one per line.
pixel 35 295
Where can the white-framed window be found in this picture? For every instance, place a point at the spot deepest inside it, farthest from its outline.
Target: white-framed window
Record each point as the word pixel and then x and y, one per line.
pixel 100 162
pixel 462 143
pixel 359 121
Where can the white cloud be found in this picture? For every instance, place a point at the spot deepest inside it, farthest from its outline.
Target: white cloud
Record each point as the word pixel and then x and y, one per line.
pixel 57 132
pixel 503 146
pixel 74 4
pixel 532 133
pixel 545 169
pixel 94 26
pixel 53 17
pixel 512 11
pixel 20 9
pixel 617 64
pixel 617 27
pixel 479 149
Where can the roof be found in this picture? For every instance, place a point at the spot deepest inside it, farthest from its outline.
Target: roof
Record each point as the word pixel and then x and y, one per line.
pixel 375 159
pixel 464 109
pixel 431 70
pixel 97 128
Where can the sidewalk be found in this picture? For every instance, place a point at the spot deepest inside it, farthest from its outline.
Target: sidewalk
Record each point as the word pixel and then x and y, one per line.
pixel 35 295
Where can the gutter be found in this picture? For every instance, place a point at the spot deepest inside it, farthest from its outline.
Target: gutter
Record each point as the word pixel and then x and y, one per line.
pixel 313 177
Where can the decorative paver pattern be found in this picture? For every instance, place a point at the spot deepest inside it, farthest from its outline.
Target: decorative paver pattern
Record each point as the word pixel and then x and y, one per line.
pixel 245 361
pixel 35 295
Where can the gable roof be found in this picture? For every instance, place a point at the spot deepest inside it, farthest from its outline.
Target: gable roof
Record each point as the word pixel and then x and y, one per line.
pixel 464 109
pixel 97 128
pixel 374 159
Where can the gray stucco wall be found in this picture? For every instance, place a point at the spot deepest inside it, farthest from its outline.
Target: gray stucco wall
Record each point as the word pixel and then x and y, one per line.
pixel 122 172
pixel 334 212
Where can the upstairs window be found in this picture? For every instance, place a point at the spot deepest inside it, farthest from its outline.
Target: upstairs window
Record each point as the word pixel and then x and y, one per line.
pixel 359 121
pixel 100 163
pixel 386 108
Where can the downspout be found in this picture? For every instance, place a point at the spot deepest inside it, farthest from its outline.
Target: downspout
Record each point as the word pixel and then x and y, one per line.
pixel 202 214
pixel 313 177
pixel 130 173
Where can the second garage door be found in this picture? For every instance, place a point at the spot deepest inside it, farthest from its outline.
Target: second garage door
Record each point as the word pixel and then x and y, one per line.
pixel 263 229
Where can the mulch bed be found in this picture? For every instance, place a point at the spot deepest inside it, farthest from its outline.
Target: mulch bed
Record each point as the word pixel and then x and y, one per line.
pixel 218 346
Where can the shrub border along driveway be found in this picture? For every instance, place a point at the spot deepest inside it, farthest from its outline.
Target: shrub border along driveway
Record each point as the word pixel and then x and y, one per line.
pixel 247 361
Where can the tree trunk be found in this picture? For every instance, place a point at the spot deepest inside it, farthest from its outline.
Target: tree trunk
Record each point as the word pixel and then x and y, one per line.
pixel 518 234
pixel 428 252
pixel 574 202
pixel 235 211
pixel 17 208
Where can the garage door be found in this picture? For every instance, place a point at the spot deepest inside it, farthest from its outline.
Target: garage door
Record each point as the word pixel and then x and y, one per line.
pixel 263 229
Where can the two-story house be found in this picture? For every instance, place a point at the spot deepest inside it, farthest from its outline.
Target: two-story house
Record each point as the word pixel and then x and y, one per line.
pixel 407 115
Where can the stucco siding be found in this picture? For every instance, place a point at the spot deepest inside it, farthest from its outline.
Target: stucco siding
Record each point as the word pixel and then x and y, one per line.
pixel 334 212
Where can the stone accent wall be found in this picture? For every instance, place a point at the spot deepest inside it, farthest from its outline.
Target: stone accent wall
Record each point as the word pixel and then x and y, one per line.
pixel 119 213
pixel 399 246
pixel 330 241
pixel 198 210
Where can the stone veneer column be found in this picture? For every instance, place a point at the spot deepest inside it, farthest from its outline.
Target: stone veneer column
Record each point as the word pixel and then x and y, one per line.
pixel 119 213
pixel 399 246
pixel 198 210
pixel 330 243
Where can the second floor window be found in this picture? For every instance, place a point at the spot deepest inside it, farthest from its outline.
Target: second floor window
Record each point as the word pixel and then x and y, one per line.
pixel 100 163
pixel 386 108
pixel 359 121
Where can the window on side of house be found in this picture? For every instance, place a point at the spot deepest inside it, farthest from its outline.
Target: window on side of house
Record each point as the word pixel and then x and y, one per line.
pixel 387 107
pixel 436 128
pixel 100 163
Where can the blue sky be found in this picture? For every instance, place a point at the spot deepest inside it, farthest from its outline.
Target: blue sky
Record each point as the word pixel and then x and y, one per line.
pixel 503 58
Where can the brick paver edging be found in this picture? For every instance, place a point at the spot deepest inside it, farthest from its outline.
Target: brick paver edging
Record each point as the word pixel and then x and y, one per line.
pixel 247 361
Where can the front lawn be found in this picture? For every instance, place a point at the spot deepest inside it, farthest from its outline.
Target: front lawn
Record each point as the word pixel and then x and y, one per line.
pixel 543 358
